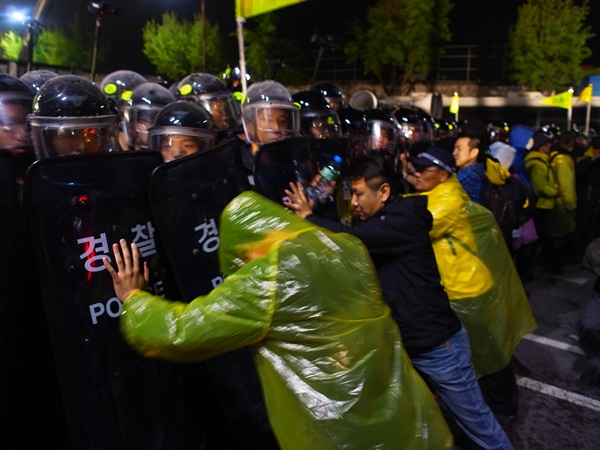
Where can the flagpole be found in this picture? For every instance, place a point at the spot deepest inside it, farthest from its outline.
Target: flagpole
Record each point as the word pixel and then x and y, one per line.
pixel 240 32
pixel 569 117
pixel 587 118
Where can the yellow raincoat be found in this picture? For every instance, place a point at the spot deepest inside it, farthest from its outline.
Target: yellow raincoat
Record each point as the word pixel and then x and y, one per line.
pixel 562 218
pixel 330 358
pixel 479 276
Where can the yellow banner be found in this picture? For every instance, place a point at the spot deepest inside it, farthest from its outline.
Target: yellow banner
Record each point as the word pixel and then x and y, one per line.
pixel 586 94
pixel 562 100
pixel 454 104
pixel 251 8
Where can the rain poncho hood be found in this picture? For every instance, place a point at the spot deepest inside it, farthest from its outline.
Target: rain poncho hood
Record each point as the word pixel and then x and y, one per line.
pixel 307 302
pixel 479 276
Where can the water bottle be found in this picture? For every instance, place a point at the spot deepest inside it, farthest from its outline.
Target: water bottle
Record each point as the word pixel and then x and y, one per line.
pixel 329 174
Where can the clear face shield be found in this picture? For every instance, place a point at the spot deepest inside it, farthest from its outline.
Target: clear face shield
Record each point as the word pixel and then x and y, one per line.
pixel 140 120
pixel 266 122
pixel 322 125
pixel 177 142
pixel 63 136
pixel 336 102
pixel 383 138
pixel 14 132
pixel 223 108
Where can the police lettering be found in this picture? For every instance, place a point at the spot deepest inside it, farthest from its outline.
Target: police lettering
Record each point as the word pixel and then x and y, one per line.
pixel 210 236
pixel 112 308
pixel 95 250
pixel 144 239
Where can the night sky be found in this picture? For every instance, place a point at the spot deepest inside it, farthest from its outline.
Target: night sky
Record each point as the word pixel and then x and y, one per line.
pixel 472 22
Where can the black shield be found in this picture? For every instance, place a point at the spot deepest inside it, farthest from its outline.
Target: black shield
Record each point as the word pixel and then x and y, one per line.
pixel 279 163
pixel 326 149
pixel 77 206
pixel 187 198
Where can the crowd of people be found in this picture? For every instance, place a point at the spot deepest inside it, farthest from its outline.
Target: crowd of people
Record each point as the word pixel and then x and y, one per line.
pixel 352 345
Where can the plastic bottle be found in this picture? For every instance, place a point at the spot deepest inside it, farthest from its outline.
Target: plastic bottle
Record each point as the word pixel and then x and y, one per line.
pixel 329 174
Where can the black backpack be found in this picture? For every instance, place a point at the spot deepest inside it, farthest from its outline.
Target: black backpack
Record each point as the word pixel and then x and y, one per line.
pixel 511 203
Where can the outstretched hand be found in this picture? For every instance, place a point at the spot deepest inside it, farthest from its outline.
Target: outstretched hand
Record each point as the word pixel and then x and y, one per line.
pixel 128 277
pixel 298 201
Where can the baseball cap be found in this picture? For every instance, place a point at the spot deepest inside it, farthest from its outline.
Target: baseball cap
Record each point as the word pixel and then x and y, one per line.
pixel 434 156
pixel 540 138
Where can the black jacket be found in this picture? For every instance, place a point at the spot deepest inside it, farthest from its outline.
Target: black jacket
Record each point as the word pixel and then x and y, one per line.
pixel 397 238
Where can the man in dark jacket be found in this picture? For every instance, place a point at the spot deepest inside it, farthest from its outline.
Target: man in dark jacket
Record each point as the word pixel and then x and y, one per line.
pixel 395 230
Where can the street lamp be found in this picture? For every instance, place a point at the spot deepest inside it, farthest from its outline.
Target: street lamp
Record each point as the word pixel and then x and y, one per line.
pixel 100 8
pixel 34 27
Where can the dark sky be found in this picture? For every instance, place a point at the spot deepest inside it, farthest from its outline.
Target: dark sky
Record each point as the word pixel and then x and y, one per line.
pixel 472 22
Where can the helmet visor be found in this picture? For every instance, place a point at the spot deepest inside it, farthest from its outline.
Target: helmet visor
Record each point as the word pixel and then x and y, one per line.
pixel 270 123
pixel 224 110
pixel 62 137
pixel 177 143
pixel 14 132
pixel 382 137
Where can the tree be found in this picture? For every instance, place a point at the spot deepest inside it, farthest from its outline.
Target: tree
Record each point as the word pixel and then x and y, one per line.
pixel 174 47
pixel 11 44
pixel 72 47
pixel 547 44
pixel 267 53
pixel 401 40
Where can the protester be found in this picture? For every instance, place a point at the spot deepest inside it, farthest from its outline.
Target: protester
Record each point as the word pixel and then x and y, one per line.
pixel 333 368
pixel 395 230
pixel 479 276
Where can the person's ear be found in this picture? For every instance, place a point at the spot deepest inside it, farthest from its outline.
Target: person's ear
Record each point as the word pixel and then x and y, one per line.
pixel 385 191
pixel 443 175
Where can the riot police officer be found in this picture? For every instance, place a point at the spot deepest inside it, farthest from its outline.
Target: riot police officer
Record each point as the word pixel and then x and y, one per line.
pixel 317 118
pixel 181 128
pixel 332 94
pixel 269 114
pixel 147 99
pixel 71 115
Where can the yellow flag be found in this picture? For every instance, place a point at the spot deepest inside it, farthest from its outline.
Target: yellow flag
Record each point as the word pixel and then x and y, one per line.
pixel 562 100
pixel 586 94
pixel 454 104
pixel 251 8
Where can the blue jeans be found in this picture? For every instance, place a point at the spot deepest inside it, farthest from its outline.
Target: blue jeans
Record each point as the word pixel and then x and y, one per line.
pixel 448 370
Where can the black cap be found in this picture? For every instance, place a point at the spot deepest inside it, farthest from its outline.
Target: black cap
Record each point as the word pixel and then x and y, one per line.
pixel 434 156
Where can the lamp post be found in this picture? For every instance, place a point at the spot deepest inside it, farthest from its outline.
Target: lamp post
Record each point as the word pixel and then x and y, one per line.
pixel 100 9
pixel 34 27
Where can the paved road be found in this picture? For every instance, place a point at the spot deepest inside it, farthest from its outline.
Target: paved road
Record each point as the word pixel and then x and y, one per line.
pixel 557 411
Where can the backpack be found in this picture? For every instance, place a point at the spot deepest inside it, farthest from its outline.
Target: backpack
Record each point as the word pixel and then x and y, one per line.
pixel 511 203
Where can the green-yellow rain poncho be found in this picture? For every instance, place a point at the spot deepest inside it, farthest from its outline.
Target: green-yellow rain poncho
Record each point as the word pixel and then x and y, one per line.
pixel 330 358
pixel 479 276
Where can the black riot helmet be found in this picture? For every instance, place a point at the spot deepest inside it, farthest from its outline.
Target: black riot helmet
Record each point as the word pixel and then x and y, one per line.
pixel 209 92
pixel 269 114
pixel 317 119
pixel 147 99
pixel 71 115
pixel 16 99
pixel 180 129
pixel 332 94
pixel 354 126
pixel 36 78
pixel 383 132
pixel 232 77
pixel 416 126
pixel 119 85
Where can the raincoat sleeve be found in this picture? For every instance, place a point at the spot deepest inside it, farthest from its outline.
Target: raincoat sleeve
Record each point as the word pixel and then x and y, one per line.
pixel 565 177
pixel 538 174
pixel 235 314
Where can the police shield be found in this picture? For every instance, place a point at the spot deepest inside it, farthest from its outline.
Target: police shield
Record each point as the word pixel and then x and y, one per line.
pixel 187 198
pixel 77 206
pixel 279 163
pixel 326 149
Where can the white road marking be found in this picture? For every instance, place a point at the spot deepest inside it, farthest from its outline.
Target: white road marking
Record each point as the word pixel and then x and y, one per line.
pixel 553 343
pixel 559 393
